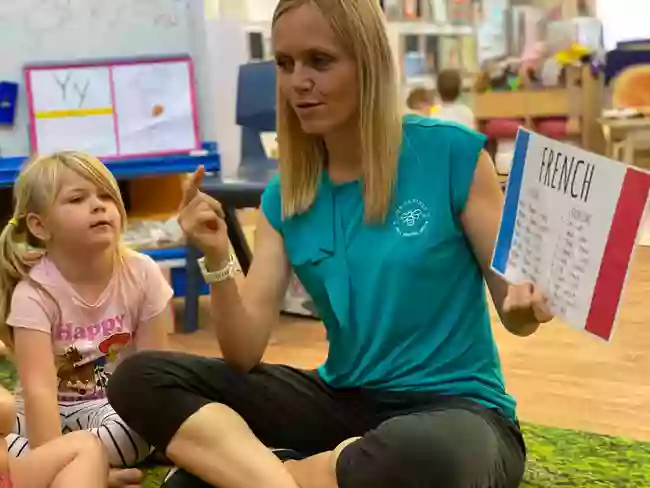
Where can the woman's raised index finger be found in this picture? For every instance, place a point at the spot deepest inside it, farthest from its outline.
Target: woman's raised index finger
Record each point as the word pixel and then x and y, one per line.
pixel 192 185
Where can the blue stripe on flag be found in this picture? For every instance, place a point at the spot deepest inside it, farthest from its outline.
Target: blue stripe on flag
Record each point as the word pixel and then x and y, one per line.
pixel 507 229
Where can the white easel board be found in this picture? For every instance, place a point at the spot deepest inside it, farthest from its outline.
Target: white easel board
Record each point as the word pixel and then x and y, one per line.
pixel 43 31
pixel 570 224
pixel 114 109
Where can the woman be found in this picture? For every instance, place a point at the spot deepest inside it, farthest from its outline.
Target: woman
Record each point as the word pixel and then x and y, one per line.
pixel 390 226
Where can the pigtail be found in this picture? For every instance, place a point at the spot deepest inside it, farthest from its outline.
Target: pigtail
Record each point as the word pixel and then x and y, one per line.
pixel 13 269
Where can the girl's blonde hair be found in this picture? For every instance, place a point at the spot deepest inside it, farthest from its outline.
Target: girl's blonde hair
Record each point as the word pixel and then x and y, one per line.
pixel 35 191
pixel 359 26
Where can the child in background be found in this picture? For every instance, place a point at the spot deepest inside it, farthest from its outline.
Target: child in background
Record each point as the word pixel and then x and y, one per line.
pixel 420 101
pixel 73 312
pixel 449 85
pixel 74 461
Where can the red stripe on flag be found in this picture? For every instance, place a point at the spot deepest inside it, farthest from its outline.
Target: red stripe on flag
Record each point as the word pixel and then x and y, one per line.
pixel 618 250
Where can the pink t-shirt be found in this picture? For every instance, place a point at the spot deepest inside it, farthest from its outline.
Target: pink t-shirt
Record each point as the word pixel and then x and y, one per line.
pixel 89 339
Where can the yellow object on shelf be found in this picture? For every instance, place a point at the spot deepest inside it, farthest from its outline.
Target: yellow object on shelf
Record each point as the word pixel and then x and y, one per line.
pixel 572 55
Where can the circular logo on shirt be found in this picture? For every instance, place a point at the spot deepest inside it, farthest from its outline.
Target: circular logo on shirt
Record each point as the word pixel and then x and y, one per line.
pixel 411 218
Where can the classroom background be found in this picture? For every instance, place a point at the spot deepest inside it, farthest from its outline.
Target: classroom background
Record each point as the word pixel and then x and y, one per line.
pixel 158 87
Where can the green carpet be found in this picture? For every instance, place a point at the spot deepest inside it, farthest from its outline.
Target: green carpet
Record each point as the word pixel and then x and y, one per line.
pixel 556 457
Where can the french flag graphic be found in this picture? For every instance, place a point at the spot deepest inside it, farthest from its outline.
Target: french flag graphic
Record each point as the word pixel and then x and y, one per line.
pixel 574 237
pixel 621 242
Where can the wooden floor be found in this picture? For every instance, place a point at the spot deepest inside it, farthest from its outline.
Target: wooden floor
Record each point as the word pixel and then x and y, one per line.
pixel 560 377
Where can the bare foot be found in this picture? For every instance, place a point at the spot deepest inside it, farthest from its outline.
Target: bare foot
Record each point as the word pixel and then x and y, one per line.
pixel 318 471
pixel 313 472
pixel 124 478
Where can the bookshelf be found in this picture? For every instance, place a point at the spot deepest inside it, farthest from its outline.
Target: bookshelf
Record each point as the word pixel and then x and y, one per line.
pixel 430 35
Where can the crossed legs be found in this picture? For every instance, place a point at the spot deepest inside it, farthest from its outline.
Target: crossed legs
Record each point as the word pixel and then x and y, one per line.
pixel 215 423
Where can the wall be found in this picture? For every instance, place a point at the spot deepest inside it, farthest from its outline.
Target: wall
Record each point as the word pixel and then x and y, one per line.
pixel 242 10
pixel 226 23
pixel 623 20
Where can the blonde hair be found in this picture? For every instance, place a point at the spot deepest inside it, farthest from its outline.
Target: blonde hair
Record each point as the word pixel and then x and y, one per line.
pixel 359 26
pixel 35 191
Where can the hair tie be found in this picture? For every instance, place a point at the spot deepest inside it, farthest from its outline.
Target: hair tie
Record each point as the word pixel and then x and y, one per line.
pixel 14 222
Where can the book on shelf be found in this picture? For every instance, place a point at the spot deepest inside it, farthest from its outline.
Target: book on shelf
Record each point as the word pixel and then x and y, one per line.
pixel 431 52
pixel 460 12
pixel 435 11
pixel 469 54
pixel 412 9
pixel 439 11
pixel 450 56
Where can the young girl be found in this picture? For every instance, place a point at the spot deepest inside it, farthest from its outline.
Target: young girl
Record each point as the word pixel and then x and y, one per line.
pixel 76 460
pixel 76 309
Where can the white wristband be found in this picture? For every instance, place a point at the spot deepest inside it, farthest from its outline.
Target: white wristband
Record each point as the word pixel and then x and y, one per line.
pixel 223 274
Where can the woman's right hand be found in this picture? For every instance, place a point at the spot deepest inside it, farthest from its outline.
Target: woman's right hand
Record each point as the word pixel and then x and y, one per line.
pixel 203 222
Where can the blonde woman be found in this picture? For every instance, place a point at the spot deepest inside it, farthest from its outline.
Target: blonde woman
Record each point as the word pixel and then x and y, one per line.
pixel 70 313
pixel 390 224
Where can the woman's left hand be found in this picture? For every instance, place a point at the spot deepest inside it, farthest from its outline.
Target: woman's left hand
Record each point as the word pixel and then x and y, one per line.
pixel 528 300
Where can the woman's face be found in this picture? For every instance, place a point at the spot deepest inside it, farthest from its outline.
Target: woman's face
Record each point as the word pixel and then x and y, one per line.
pixel 315 74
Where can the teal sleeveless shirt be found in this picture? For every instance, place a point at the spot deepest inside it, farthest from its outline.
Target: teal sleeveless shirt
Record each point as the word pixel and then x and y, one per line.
pixel 403 301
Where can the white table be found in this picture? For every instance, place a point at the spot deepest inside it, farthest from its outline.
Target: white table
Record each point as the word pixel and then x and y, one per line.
pixel 625 136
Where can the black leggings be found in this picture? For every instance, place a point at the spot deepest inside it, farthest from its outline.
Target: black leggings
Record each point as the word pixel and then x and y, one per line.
pixel 410 439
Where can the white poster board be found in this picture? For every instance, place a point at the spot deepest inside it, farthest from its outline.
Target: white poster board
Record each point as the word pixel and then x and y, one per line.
pixel 113 110
pixel 570 224
pixel 43 31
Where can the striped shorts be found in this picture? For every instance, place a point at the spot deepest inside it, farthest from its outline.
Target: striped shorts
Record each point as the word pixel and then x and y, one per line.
pixel 123 445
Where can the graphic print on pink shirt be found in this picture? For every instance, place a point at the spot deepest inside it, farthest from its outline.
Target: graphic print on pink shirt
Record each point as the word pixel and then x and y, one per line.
pixel 69 332
pixel 89 339
pixel 85 373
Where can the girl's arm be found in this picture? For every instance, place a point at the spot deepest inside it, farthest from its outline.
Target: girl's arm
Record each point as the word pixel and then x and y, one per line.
pixel 156 314
pixel 152 333
pixel 37 373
